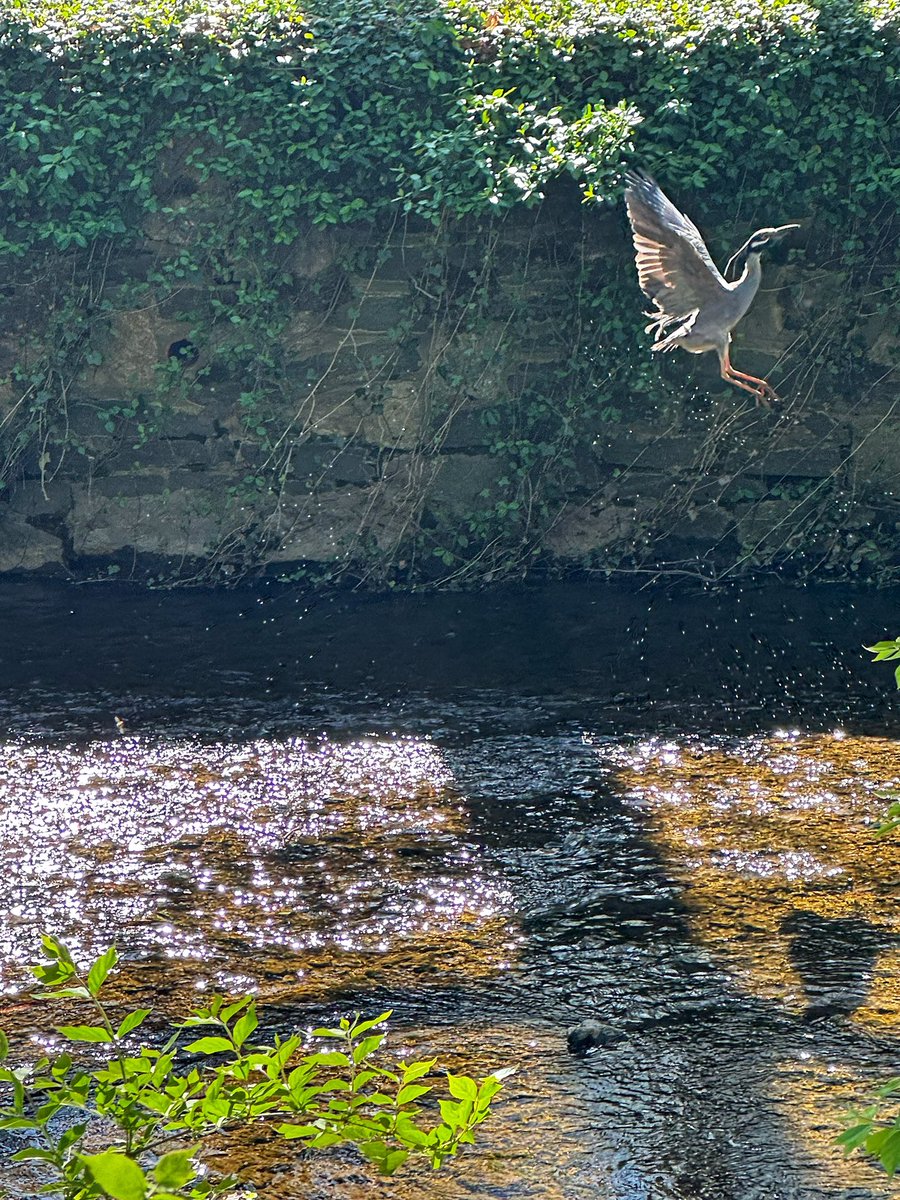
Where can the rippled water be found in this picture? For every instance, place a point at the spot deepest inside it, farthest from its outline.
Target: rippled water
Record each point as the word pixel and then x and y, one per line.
pixel 498 817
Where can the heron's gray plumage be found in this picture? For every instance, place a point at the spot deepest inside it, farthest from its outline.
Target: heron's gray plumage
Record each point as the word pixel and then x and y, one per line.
pixel 695 307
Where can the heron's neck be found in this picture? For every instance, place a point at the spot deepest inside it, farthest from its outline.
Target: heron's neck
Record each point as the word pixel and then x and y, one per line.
pixel 748 284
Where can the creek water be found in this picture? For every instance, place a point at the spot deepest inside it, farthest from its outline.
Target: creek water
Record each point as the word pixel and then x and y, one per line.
pixel 497 815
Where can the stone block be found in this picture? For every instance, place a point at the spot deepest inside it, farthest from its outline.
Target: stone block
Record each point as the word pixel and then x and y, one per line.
pixel 883 340
pixel 128 485
pixel 474 366
pixel 638 487
pixel 408 258
pixel 23 547
pixel 649 448
pixel 323 463
pixel 762 330
pixel 165 454
pixel 312 253
pixel 703 523
pixel 772 526
pixel 374 313
pixel 394 416
pixel 350 463
pixel 875 456
pixel 814 447
pixel 586 528
pixel 459 481
pixel 113 517
pixel 339 524
pixel 41 502
pixel 136 346
pixel 464 429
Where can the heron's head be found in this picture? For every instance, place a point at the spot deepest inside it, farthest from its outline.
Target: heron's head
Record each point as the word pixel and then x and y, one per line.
pixel 755 244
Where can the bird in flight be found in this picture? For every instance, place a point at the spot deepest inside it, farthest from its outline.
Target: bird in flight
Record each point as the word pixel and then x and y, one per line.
pixel 694 306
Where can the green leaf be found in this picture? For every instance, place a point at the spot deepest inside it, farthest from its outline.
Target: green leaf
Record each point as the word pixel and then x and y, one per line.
pixel 375 1151
pixel 210 1045
pixel 854 1137
pixel 175 1169
pixel 462 1087
pixel 366 1047
pixel 298 1131
pixel 365 1026
pixel 245 1025
pixel 33 1154
pixel 4 1045
pixel 455 1114
pixel 85 1033
pixel 119 1176
pixel 100 969
pixel 70 1137
pixel 407 1131
pixel 411 1092
pixel 57 950
pixel 18 1123
pixel 332 1058
pixel 417 1069
pixel 885 1145
pixel 131 1022
pixel 234 1008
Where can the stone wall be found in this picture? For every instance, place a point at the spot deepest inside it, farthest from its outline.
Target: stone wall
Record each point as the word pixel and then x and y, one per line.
pixel 402 365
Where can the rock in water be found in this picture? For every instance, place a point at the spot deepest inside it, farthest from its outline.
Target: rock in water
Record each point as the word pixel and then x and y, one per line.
pixel 592 1035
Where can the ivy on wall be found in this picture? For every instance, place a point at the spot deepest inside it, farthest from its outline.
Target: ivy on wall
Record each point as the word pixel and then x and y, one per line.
pixel 230 130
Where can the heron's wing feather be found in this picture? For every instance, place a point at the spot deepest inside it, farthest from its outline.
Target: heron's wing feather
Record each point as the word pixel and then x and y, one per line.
pixel 674 266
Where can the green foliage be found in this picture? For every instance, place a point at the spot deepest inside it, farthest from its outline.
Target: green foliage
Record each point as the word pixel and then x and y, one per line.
pixel 150 1096
pixel 887 651
pixel 876 1129
pixel 449 106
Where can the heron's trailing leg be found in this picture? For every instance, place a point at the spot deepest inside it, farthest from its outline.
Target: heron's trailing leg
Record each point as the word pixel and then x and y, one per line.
pixel 763 391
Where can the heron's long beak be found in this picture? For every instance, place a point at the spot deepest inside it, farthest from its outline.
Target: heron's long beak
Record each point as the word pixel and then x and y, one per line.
pixel 771 235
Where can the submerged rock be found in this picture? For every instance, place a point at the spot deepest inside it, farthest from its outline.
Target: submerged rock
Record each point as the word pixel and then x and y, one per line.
pixel 592 1035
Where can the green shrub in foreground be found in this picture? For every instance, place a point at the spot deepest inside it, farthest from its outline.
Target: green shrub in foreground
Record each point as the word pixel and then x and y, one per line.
pixel 339 1096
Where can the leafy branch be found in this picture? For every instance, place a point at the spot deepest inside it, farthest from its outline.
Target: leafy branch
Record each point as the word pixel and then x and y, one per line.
pixel 323 1098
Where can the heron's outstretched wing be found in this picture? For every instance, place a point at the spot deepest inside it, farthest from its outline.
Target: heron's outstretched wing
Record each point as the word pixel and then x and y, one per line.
pixel 674 266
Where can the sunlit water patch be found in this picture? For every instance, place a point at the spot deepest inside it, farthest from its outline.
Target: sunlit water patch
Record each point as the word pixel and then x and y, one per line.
pixel 774 840
pixel 265 861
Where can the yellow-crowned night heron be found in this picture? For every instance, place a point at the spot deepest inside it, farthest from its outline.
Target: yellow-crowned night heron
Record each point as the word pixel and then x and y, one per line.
pixel 695 307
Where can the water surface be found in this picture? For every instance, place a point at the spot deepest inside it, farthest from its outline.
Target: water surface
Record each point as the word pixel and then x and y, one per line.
pixel 498 816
